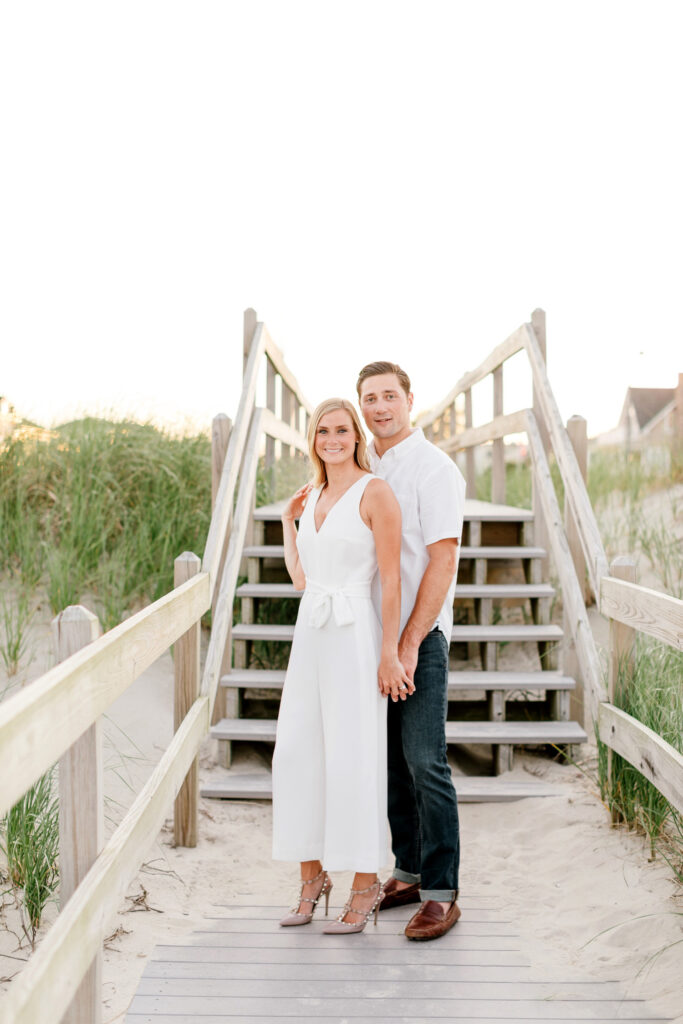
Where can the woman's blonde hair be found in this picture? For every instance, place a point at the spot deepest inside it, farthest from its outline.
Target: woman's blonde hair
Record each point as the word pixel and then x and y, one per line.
pixel 361 453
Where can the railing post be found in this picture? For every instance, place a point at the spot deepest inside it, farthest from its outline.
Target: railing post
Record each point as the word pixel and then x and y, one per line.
pixel 621 651
pixel 81 808
pixel 498 454
pixel 250 321
pixel 540 528
pixel 470 460
pixel 270 404
pixel 576 428
pixel 220 437
pixel 186 691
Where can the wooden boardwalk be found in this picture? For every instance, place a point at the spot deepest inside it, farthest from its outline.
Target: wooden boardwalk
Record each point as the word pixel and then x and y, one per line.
pixel 243 967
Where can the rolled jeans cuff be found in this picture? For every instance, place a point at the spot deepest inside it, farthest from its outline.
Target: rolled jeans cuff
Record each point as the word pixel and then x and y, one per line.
pixel 405 876
pixel 440 895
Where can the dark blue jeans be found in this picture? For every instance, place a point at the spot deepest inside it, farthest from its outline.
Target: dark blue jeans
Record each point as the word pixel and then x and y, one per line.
pixel 423 808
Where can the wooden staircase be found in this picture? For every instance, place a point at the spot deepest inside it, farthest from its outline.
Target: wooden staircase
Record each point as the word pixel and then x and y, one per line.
pixel 505 688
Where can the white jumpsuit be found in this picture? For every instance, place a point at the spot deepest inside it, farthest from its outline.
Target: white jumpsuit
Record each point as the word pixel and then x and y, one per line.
pixel 330 762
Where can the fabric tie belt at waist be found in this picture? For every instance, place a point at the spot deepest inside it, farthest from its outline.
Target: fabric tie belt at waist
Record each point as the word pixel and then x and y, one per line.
pixel 326 600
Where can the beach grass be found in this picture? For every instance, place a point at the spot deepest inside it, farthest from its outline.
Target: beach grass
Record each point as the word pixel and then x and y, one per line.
pixel 652 694
pixel 103 508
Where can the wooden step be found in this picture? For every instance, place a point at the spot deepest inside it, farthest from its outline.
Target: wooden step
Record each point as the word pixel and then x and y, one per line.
pixel 236 785
pixel 490 552
pixel 457 681
pixel 477 511
pixel 460 634
pixel 521 733
pixel 462 590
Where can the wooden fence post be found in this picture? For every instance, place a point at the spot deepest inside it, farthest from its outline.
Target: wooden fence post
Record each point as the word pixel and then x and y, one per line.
pixel 540 529
pixel 470 460
pixel 576 428
pixel 81 807
pixel 187 682
pixel 270 404
pixel 621 650
pixel 498 453
pixel 220 437
pixel 250 321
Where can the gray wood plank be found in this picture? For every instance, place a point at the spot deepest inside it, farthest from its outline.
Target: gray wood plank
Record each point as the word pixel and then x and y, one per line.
pixel 457 681
pixel 476 634
pixel 392 985
pixel 225 1018
pixel 481 511
pixel 494 552
pixel 543 1010
pixel 263 730
pixel 407 953
pixel 463 591
pixel 311 937
pixel 470 789
pixel 386 925
pixel 499 979
pixel 400 914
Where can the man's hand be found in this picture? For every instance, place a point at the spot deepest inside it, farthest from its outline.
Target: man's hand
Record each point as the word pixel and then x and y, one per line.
pixel 393 680
pixel 407 655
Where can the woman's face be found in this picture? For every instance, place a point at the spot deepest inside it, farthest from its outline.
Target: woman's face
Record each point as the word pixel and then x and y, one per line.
pixel 335 438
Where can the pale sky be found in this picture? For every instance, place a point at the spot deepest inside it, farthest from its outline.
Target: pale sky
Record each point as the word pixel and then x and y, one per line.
pixel 380 180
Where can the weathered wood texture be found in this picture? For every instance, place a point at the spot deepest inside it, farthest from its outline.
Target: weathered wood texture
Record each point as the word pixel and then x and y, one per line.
pixel 244 967
pixel 594 552
pixel 49 981
pixel 658 615
pixel 498 428
pixel 81 808
pixel 81 689
pixel 223 617
pixel 186 691
pixel 657 760
pixel 571 593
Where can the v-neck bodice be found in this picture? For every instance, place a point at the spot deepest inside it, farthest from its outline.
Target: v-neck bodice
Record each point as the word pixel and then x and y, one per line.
pixel 318 494
pixel 342 551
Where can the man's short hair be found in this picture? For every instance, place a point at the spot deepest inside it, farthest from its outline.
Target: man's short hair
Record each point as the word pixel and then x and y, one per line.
pixel 375 369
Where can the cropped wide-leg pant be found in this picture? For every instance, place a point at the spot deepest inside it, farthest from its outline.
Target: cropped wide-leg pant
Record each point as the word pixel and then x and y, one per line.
pixel 330 760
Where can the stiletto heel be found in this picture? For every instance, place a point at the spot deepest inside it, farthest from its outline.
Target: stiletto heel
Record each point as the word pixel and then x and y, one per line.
pixel 295 917
pixel 342 927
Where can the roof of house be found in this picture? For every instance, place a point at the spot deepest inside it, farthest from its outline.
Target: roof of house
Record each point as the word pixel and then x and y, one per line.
pixel 647 402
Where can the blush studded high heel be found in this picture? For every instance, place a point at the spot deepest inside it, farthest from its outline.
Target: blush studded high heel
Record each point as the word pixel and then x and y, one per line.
pixel 342 927
pixel 295 917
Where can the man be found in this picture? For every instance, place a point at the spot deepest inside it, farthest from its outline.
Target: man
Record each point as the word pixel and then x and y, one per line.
pixel 423 809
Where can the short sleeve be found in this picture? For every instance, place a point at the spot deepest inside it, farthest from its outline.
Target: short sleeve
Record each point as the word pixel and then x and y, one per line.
pixel 441 499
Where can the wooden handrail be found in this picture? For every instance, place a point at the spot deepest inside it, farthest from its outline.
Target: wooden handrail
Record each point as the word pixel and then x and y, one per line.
pixel 571 591
pixel 658 615
pixel 575 489
pixel 223 614
pixel 501 426
pixel 40 723
pixel 47 984
pixel 515 343
pixel 276 358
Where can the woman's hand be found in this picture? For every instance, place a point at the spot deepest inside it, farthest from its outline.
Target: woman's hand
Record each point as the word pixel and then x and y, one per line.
pixel 297 503
pixel 392 679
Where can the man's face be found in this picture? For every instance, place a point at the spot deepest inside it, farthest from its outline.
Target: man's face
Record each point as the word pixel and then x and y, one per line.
pixel 385 405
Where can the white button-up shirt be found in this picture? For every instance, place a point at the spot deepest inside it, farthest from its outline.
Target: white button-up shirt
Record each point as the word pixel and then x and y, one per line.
pixel 431 492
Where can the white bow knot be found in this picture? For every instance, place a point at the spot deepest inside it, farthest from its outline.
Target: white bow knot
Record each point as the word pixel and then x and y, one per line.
pixel 333 601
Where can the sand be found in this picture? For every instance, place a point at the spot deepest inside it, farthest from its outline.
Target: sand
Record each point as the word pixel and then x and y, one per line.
pixel 584 894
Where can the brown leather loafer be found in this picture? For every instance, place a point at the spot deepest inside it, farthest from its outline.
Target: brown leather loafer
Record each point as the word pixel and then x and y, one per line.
pixel 395 897
pixel 431 922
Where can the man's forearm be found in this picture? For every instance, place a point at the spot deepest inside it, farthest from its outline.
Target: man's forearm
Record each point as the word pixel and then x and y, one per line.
pixel 431 595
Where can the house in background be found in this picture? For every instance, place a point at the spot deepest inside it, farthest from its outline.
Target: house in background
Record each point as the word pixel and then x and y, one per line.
pixel 650 417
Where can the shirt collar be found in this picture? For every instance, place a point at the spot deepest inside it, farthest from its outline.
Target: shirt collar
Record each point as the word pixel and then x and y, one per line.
pixel 397 451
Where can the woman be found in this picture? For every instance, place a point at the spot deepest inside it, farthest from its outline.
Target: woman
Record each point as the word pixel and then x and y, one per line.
pixel 329 765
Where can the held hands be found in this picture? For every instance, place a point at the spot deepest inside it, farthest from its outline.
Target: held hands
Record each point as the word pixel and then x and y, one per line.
pixel 392 679
pixel 296 503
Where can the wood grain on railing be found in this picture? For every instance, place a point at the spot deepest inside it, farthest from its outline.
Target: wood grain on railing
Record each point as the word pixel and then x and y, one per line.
pixel 49 981
pixel 571 592
pixel 594 552
pixel 220 520
pixel 274 427
pixel 41 722
pixel 654 758
pixel 502 426
pixel 658 615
